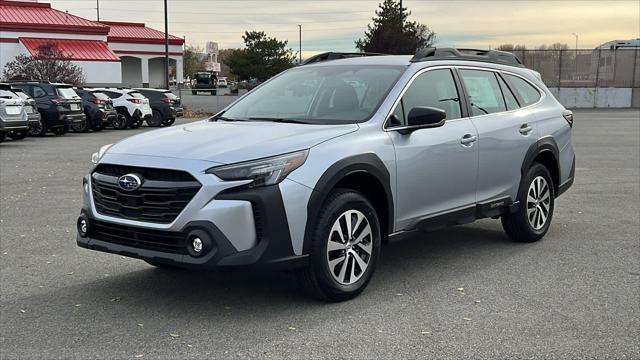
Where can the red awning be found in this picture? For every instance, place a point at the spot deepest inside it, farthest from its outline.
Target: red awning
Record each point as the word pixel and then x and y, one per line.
pixel 83 50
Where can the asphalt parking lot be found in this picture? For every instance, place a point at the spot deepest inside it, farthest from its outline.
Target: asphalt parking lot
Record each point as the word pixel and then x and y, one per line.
pixel 464 292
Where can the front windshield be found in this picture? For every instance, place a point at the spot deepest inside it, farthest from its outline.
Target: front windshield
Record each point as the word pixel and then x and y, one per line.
pixel 327 94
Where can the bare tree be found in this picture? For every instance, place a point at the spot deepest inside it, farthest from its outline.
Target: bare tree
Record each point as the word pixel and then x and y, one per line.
pixel 50 63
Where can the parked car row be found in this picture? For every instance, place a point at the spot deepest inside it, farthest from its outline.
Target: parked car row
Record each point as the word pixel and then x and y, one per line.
pixel 35 108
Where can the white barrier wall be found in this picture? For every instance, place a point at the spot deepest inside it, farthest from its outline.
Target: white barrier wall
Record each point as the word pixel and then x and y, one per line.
pixel 594 97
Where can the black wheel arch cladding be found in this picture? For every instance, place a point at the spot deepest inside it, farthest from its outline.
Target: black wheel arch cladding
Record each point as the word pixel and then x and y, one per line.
pixel 366 164
pixel 544 146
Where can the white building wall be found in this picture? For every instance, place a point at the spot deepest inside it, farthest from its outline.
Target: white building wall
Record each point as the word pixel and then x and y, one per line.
pixel 8 51
pixel 103 73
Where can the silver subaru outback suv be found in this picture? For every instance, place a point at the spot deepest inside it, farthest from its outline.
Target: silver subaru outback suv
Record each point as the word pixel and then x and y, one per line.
pixel 319 166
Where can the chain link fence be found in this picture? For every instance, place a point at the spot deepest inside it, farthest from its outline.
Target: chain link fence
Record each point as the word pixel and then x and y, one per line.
pixel 585 68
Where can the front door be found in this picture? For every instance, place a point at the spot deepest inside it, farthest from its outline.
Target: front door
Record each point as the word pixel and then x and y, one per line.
pixel 436 167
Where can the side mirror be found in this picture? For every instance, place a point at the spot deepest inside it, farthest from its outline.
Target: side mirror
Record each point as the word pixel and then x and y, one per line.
pixel 425 117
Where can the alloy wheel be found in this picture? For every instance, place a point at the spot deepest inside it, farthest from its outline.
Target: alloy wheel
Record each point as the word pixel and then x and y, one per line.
pixel 538 203
pixel 349 247
pixel 36 129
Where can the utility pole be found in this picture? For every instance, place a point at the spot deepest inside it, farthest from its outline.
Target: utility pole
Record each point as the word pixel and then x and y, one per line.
pixel 166 46
pixel 300 44
pixel 98 9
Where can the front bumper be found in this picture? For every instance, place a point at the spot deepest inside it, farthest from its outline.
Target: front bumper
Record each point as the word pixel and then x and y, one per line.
pixel 238 226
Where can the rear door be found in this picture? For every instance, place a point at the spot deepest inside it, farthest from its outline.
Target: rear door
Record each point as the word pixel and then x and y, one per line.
pixel 436 167
pixel 505 131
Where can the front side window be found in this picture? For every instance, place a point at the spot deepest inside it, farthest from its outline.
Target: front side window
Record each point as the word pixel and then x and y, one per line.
pixel 434 88
pixel 527 92
pixel 319 94
pixel 483 91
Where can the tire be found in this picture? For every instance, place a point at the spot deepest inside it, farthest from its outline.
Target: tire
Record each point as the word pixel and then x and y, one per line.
pixel 1 137
pixel 332 266
pixel 19 134
pixel 59 131
pixel 169 122
pixel 155 120
pixel 120 122
pixel 537 199
pixel 82 127
pixel 193 92
pixel 98 126
pixel 135 122
pixel 40 129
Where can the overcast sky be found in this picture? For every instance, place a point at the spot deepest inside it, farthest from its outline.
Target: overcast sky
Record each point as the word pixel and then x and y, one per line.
pixel 336 24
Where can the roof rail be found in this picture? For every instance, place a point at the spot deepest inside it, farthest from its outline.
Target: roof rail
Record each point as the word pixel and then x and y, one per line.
pixel 30 81
pixel 336 55
pixel 490 56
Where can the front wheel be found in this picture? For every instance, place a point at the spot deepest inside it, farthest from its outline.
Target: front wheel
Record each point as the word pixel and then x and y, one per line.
pixel 537 199
pixel 345 248
pixel 120 121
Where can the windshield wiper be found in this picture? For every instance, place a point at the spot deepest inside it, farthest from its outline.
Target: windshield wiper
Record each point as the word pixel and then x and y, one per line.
pixel 481 109
pixel 279 120
pixel 220 117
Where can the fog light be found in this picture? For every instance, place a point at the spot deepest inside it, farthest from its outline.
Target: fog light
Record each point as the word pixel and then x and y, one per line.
pixel 83 226
pixel 197 245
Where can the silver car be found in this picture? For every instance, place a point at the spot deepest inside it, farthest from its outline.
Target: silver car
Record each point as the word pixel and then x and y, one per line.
pixel 319 166
pixel 14 120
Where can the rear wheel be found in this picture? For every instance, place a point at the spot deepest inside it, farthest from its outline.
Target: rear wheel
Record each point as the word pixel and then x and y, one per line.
pixel 120 121
pixel 169 122
pixel 156 119
pixel 82 127
pixel 537 199
pixel 61 130
pixel 18 135
pixel 38 129
pixel 193 92
pixel 345 248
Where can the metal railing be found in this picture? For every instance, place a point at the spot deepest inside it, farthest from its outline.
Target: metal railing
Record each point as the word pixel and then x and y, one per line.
pixel 585 68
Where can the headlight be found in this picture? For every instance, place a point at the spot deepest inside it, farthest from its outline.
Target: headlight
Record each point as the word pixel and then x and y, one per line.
pixel 95 157
pixel 263 172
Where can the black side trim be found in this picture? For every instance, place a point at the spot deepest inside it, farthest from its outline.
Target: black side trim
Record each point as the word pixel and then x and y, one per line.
pixel 272 227
pixel 567 184
pixel 367 163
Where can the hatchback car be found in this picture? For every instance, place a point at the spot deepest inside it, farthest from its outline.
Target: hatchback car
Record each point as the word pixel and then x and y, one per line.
pixel 130 105
pixel 98 108
pixel 166 106
pixel 319 166
pixel 58 104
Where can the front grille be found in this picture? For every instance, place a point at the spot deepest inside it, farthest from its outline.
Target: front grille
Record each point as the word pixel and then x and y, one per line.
pixel 161 198
pixel 164 241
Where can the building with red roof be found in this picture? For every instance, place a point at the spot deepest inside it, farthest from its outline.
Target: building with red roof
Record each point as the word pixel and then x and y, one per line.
pixel 110 53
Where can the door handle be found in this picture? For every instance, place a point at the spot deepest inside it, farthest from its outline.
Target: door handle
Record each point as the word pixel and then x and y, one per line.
pixel 468 139
pixel 525 129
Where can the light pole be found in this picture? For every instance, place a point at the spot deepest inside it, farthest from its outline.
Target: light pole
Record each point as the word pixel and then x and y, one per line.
pixel 575 74
pixel 300 44
pixel 98 9
pixel 166 46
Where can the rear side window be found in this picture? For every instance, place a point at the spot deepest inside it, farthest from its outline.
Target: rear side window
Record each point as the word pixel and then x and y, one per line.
pixel 509 98
pixel 113 94
pixel 527 92
pixel 484 91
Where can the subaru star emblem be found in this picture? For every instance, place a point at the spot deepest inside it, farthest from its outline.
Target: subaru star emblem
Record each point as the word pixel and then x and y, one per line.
pixel 129 182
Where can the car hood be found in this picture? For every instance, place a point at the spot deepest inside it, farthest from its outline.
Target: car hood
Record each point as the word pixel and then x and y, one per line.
pixel 229 142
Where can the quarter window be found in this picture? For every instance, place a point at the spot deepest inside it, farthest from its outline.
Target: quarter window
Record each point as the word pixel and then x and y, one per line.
pixel 434 88
pixel 527 92
pixel 484 91
pixel 509 99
